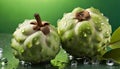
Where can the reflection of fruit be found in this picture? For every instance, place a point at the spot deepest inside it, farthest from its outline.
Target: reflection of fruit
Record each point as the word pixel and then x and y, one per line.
pixel 84 32
pixel 35 41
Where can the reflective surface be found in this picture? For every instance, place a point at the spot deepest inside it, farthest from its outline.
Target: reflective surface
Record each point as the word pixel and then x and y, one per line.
pixel 9 62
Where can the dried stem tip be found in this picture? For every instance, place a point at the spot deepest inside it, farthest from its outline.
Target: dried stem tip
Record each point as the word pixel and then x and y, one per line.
pixel 82 16
pixel 38 19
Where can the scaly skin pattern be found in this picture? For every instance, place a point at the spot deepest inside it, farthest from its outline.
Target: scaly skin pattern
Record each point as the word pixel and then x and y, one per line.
pixel 34 46
pixel 84 37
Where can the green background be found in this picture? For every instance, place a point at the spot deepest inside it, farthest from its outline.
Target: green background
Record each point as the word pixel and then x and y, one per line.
pixel 13 12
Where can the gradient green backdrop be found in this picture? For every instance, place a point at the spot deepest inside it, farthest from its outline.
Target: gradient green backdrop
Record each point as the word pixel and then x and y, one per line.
pixel 13 12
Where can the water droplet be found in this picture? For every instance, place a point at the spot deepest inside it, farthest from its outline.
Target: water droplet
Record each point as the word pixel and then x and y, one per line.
pixel 74 64
pixel 70 57
pixel 106 35
pixel 102 23
pixel 26 64
pixel 102 14
pixel 3 63
pixel 85 35
pixel 29 45
pixel 2 67
pixel 37 42
pixel 86 61
pixel 1 50
pixel 107 20
pixel 99 29
pixel 110 62
pixel 4 60
pixel 23 31
pixel 22 62
pixel 95 61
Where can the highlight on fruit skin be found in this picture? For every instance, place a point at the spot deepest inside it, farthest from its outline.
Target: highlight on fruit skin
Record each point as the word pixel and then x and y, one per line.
pixel 84 32
pixel 35 41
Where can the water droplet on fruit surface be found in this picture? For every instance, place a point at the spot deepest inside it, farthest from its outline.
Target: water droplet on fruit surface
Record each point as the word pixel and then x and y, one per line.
pixel 74 64
pixel 106 35
pixel 102 23
pixel 110 62
pixel 37 42
pixel 23 31
pixel 99 29
pixel 85 35
pixel 86 61
pixel 29 45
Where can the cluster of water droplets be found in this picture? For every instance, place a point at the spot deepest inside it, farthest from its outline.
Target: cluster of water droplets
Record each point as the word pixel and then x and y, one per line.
pixel 87 61
pixel 74 62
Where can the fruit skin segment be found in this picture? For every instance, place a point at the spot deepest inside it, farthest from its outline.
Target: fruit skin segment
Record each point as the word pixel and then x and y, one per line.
pixel 84 37
pixel 33 45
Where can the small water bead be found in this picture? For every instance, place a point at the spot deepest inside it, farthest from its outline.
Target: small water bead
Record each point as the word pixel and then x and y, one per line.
pixel 86 61
pixel 85 35
pixel 26 64
pixel 1 50
pixel 74 64
pixel 102 23
pixel 99 29
pixel 95 61
pixel 22 62
pixel 70 57
pixel 4 61
pixel 106 34
pixel 110 62
pixel 2 67
pixel 23 31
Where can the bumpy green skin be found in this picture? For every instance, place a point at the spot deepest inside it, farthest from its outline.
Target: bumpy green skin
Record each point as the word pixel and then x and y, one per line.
pixel 33 46
pixel 84 38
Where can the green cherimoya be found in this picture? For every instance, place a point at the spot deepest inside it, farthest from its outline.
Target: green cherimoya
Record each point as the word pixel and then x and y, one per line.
pixel 84 32
pixel 35 41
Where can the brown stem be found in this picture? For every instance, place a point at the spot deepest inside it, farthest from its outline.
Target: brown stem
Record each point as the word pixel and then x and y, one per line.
pixel 82 16
pixel 38 19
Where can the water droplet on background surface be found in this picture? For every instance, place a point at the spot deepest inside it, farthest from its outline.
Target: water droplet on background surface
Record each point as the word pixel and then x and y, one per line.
pixel 110 62
pixel 95 61
pixel 1 50
pixel 74 64
pixel 70 57
pixel 4 60
pixel 26 64
pixel 86 61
